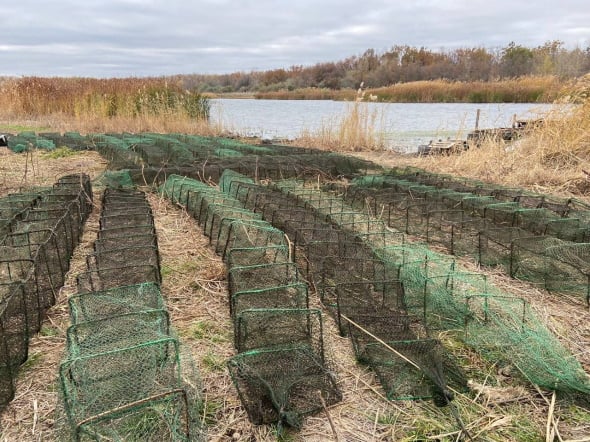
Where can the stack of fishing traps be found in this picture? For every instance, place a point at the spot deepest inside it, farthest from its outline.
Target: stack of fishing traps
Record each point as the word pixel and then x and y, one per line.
pixel 38 232
pixel 538 238
pixel 360 288
pixel 280 370
pixel 124 376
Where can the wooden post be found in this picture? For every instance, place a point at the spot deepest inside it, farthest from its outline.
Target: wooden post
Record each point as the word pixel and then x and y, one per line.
pixel 477 119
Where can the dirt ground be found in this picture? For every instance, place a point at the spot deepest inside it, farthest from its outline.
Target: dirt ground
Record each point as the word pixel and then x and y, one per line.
pixel 500 407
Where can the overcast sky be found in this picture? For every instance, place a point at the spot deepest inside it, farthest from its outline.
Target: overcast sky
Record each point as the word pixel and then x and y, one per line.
pixel 117 38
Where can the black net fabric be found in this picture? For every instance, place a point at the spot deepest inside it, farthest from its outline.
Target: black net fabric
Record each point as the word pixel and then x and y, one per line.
pixel 38 233
pixel 332 246
pixel 283 384
pixel 502 227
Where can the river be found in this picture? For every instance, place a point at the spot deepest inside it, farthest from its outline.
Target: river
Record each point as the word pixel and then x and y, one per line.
pixel 404 125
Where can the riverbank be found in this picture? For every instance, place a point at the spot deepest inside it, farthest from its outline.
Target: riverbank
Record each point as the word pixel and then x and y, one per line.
pixel 545 89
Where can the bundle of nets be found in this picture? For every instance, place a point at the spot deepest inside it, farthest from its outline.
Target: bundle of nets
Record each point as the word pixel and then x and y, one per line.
pixel 273 325
pixel 29 140
pixel 335 255
pixel 437 290
pixel 39 235
pixel 124 375
pixel 496 232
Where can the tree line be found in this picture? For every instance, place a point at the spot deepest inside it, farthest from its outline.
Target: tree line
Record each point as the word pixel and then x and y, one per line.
pixel 403 64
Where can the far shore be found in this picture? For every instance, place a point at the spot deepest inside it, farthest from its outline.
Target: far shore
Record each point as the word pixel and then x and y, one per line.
pixel 518 90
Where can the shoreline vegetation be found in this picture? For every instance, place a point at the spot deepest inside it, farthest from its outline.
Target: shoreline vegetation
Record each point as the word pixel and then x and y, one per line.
pixel 519 90
pixel 553 157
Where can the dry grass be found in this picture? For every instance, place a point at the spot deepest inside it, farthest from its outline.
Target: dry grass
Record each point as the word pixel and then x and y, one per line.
pixel 529 89
pixel 360 128
pixel 90 97
pixel 101 105
pixel 554 158
pixel 520 90
pixel 36 168
pixel 31 415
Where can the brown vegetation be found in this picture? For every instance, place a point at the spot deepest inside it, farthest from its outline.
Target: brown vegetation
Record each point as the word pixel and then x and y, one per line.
pixel 552 158
pixel 404 64
pixel 520 90
pixel 88 104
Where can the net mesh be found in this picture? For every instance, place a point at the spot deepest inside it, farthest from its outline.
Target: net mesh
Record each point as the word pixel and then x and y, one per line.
pixel 280 368
pixel 501 227
pixel 39 234
pixel 125 375
pixel 435 290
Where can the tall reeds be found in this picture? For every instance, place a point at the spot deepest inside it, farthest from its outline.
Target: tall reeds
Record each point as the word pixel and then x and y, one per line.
pixel 359 128
pixel 104 104
pixel 308 93
pixel 553 157
pixel 531 89
pixel 518 90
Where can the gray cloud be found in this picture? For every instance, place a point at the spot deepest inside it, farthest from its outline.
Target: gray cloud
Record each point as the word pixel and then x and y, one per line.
pixel 153 37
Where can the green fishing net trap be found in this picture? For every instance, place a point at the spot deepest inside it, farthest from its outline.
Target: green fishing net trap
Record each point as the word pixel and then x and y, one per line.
pixel 125 375
pixel 280 369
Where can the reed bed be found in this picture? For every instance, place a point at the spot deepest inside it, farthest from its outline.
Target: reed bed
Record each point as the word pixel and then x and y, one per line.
pixel 308 93
pixel 519 90
pixel 95 105
pixel 529 89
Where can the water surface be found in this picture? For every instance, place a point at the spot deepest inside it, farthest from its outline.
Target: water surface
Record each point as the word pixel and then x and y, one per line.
pixel 404 125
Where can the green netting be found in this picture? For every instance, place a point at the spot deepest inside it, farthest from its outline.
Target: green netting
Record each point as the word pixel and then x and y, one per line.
pixel 259 276
pixel 503 206
pixel 252 234
pixel 218 213
pixel 95 336
pixel 123 376
pixel 44 144
pixel 224 153
pixel 421 378
pixel 135 391
pixel 557 265
pixel 230 177
pixel 268 303
pixel 505 328
pixel 34 257
pixel 238 256
pixel 15 330
pixel 293 295
pixel 119 300
pixel 436 290
pixel 111 277
pixel 130 240
pixel 494 231
pixel 321 242
pixel 116 179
